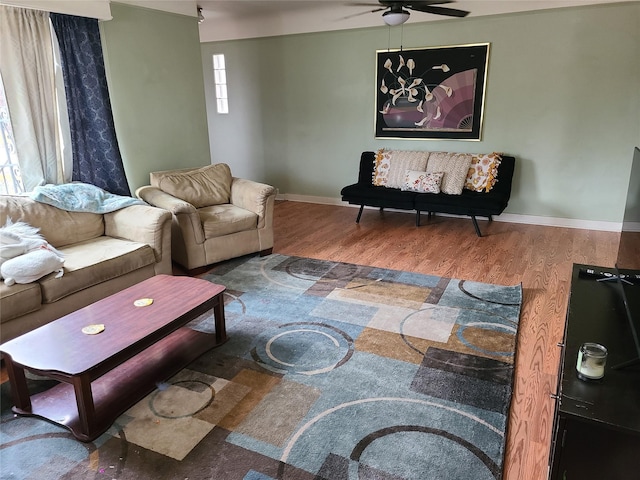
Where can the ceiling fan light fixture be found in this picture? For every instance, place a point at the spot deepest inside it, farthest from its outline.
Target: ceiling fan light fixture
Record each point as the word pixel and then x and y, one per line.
pixel 392 18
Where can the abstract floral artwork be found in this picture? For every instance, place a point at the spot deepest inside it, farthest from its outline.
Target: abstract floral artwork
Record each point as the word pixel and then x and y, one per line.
pixel 431 93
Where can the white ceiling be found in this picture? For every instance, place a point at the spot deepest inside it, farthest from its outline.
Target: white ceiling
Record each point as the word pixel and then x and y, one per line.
pixel 234 19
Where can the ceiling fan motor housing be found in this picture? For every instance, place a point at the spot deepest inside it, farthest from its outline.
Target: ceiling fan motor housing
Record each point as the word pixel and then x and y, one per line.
pixel 396 14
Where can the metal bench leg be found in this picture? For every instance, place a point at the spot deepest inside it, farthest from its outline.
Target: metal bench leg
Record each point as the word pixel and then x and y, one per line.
pixel 360 213
pixel 475 225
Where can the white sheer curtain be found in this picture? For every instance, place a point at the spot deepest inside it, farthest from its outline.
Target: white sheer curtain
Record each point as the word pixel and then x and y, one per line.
pixel 28 70
pixel 65 164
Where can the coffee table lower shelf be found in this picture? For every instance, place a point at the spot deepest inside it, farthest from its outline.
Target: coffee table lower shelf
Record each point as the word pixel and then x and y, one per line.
pixel 119 389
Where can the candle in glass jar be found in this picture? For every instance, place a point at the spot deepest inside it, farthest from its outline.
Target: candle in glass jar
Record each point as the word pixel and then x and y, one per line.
pixel 592 358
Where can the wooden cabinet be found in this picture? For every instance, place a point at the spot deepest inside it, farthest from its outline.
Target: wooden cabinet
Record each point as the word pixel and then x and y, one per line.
pixel 596 430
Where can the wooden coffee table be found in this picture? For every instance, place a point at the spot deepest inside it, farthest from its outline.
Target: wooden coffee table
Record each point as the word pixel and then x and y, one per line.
pixel 102 375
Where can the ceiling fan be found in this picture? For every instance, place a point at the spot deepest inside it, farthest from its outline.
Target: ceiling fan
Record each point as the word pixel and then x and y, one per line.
pixel 395 13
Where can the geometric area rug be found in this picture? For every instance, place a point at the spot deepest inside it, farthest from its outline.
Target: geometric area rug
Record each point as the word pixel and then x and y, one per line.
pixel 332 371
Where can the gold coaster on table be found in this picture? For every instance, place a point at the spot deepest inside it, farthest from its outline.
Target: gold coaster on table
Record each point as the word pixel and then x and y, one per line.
pixel 143 302
pixel 93 329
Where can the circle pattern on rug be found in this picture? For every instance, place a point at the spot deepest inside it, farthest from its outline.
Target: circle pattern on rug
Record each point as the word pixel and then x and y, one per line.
pixel 395 448
pixel 181 399
pixel 488 326
pixel 487 293
pixel 307 268
pixel 440 437
pixel 305 348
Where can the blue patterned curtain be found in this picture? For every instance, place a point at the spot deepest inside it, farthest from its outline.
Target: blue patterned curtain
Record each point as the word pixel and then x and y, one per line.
pixel 96 156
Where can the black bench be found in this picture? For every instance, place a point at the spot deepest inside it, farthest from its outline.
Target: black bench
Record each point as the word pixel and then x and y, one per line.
pixel 470 203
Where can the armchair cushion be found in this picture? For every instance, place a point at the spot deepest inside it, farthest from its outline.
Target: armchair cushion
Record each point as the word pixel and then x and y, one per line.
pixel 220 220
pixel 202 187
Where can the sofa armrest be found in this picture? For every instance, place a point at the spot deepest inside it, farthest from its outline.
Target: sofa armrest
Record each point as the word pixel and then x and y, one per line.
pixel 255 197
pixel 505 176
pixel 365 172
pixel 144 224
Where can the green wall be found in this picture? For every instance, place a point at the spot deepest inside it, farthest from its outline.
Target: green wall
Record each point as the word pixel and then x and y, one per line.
pixel 154 72
pixel 563 96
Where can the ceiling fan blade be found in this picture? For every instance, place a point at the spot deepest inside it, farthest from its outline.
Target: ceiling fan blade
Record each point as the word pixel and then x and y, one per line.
pixel 389 3
pixel 449 12
pixel 367 12
pixel 362 4
pixel 425 3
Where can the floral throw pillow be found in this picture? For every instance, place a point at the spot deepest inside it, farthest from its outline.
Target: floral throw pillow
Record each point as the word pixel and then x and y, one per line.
pixel 422 182
pixel 381 166
pixel 483 172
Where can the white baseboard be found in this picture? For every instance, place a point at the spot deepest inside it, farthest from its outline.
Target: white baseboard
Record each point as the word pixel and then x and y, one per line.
pixel 631 226
pixel 505 217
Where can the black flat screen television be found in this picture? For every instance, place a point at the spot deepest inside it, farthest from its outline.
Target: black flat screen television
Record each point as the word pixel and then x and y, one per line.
pixel 629 247
pixel 628 259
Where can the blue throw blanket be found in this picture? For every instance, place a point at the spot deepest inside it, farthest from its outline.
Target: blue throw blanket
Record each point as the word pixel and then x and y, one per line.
pixel 81 197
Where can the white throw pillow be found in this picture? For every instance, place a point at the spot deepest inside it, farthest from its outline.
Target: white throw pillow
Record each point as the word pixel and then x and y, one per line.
pixel 17 238
pixel 455 167
pixel 390 166
pixel 31 266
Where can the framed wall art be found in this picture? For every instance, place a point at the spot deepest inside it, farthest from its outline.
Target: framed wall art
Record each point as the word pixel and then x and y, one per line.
pixel 431 92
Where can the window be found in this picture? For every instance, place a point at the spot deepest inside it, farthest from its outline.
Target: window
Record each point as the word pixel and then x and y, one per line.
pixel 220 79
pixel 10 180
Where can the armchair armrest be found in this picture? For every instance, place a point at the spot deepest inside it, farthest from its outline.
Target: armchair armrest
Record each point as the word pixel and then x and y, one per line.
pixel 185 215
pixel 253 196
pixel 144 224
pixel 156 197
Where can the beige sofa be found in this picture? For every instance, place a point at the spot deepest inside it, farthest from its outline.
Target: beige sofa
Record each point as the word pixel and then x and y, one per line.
pixel 215 216
pixel 103 254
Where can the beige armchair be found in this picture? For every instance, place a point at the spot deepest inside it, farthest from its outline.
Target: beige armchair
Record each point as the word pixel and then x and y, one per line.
pixel 215 216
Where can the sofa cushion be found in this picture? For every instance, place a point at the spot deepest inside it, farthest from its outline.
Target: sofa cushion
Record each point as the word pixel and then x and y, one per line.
pixel 422 182
pixel 483 172
pixel 219 220
pixel 93 262
pixel 58 227
pixel 378 196
pixel 390 166
pixel 467 203
pixel 202 187
pixel 455 167
pixel 18 300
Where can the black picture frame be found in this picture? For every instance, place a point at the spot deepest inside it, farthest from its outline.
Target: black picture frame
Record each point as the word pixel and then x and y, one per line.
pixel 431 92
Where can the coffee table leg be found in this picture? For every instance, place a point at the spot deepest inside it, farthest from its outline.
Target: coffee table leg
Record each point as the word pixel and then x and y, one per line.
pixel 19 389
pixel 218 314
pixel 84 399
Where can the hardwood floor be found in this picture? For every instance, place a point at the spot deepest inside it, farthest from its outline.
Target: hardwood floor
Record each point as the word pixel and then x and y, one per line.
pixel 541 258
